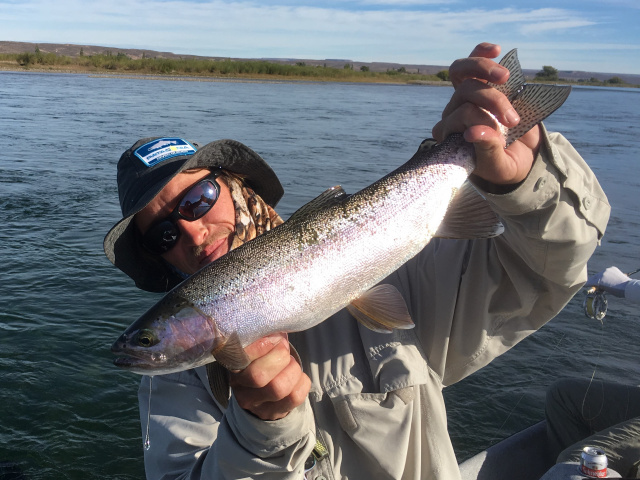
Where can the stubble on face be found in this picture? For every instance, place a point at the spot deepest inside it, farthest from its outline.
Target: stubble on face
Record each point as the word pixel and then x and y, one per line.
pixel 200 252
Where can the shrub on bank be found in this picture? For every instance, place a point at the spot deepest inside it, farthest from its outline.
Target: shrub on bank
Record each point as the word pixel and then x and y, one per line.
pixel 198 66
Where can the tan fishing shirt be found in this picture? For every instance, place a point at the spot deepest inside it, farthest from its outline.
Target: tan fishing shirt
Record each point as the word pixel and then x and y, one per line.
pixel 376 402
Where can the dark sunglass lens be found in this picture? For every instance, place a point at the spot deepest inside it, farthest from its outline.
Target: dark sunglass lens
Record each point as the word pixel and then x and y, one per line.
pixel 160 238
pixel 198 200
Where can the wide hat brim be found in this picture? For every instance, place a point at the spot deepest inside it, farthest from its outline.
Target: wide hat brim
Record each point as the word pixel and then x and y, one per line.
pixel 120 243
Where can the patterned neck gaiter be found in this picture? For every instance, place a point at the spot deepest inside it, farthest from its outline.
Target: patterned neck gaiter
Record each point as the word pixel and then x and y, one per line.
pixel 253 215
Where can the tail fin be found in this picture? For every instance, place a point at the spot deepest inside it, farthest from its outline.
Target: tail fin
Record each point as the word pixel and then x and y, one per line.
pixel 534 102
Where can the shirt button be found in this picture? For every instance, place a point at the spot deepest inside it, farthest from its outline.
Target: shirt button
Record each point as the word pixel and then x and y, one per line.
pixel 321 477
pixel 540 183
pixel 586 201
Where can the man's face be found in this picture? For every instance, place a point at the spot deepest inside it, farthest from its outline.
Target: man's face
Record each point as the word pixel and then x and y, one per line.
pixel 201 241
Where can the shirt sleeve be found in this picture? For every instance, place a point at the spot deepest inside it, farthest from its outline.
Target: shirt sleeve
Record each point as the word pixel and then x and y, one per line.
pixel 632 291
pixel 475 299
pixel 192 437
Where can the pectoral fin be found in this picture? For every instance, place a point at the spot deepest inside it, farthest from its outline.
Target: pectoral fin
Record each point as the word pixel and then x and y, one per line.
pixel 381 309
pixel 230 354
pixel 469 216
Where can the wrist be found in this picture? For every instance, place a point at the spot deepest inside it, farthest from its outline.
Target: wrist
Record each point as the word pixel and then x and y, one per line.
pixel 632 290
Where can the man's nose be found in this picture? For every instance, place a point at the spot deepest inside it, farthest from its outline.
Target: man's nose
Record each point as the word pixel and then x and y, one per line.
pixel 194 233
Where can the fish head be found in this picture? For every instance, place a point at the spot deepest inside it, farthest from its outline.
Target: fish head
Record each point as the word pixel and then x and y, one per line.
pixel 172 336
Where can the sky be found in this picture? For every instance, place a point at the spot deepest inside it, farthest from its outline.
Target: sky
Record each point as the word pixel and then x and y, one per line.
pixel 588 35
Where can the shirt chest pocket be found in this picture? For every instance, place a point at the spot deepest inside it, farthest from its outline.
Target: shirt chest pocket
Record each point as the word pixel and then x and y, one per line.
pixel 379 421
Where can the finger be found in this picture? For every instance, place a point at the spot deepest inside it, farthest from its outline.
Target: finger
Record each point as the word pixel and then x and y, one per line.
pixel 480 68
pixel 263 369
pixel 264 345
pixel 486 49
pixel 463 118
pixel 278 388
pixel 281 408
pixel 285 392
pixel 469 91
pixel 483 96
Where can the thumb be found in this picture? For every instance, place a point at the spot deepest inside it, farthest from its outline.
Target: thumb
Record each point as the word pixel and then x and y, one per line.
pixel 492 164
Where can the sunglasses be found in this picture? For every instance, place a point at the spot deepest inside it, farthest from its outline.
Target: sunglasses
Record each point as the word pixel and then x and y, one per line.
pixel 163 235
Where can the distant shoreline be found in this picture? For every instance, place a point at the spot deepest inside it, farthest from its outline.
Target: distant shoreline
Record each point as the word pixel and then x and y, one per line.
pixel 271 78
pixel 234 76
pixel 90 59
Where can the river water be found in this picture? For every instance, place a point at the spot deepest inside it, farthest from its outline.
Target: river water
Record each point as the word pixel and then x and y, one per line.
pixel 66 412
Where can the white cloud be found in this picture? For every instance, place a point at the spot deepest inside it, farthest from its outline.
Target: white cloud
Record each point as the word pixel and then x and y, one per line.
pixel 555 26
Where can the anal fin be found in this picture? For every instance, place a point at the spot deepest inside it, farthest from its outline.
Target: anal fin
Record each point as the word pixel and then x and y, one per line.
pixel 381 309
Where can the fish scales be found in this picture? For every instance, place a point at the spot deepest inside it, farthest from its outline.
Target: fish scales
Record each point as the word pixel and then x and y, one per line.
pixel 314 272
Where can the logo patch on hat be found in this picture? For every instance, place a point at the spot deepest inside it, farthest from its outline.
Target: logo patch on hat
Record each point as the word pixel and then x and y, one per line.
pixel 161 149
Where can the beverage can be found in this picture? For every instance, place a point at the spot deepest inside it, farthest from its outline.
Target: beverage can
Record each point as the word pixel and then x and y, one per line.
pixel 593 462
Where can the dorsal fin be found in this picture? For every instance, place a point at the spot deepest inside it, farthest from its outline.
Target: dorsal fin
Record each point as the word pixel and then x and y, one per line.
pixel 327 198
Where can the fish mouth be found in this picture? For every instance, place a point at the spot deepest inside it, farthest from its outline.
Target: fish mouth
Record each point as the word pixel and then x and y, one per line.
pixel 126 362
pixel 155 364
pixel 132 359
pixel 146 362
pixel 149 364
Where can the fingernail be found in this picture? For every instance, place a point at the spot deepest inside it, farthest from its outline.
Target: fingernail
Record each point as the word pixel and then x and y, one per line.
pixel 511 116
pixel 275 338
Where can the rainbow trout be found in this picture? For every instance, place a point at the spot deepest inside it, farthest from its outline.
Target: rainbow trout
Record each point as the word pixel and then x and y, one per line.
pixel 331 254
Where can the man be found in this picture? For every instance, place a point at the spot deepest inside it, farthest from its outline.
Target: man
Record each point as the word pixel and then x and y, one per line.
pixel 581 412
pixel 348 402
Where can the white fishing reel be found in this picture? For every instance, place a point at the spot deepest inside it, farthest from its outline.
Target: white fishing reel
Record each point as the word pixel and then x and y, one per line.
pixel 595 304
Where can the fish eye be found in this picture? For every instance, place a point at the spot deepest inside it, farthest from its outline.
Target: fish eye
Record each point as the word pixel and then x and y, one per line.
pixel 146 338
